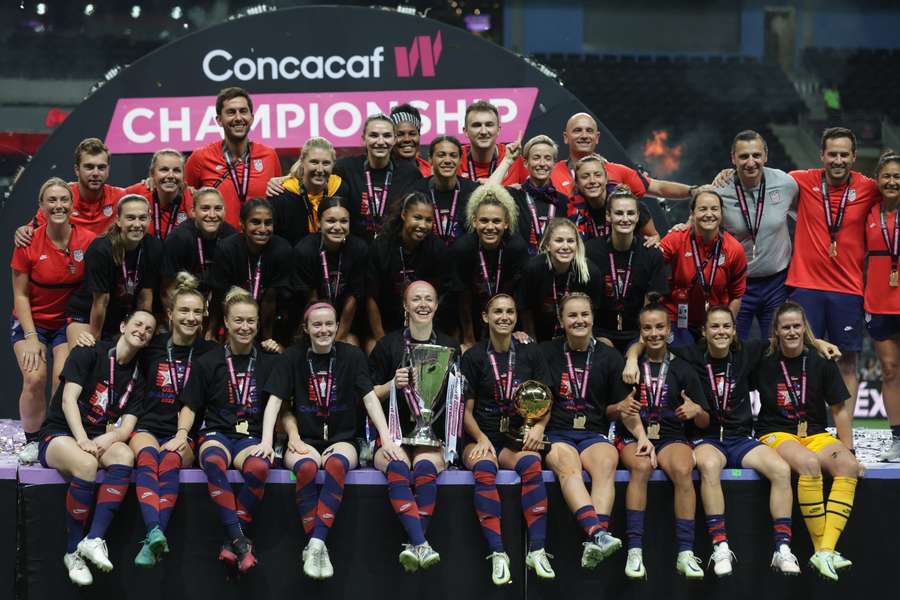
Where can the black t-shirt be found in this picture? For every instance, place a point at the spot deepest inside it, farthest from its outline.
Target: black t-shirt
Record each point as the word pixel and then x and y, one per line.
pixel 235 266
pixel 468 275
pixel 604 385
pixel 103 276
pixel 737 418
pixel 346 269
pixel 290 380
pixel 824 387
pixel 162 396
pixel 181 252
pixel 482 386
pixel 649 273
pixel 352 169
pixel 89 368
pixel 444 202
pixel 536 292
pixel 392 268
pixel 292 213
pixel 387 356
pixel 209 389
pixel 545 208
pixel 681 377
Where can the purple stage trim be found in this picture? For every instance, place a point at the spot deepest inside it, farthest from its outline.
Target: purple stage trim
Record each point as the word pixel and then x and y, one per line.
pixel 8 468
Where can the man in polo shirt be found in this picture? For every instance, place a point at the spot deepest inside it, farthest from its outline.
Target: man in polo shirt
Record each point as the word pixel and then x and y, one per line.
pixel 582 137
pixel 93 200
pixel 237 167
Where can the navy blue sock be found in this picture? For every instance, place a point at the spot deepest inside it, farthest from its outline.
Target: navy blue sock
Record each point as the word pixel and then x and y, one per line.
pixel 684 534
pixel 895 432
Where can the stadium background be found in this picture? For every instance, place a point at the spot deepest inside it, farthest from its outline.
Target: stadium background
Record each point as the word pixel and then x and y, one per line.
pixel 672 81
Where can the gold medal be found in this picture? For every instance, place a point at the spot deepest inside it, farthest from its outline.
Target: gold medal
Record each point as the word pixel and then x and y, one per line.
pixel 754 250
pixel 619 320
pixel 893 278
pixel 706 306
pixel 721 433
pixel 242 427
pixel 833 250
pixel 801 429
pixel 579 422
pixel 325 431
pixel 504 424
pixel 653 430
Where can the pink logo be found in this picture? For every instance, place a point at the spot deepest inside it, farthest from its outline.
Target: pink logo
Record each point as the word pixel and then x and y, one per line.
pixel 422 52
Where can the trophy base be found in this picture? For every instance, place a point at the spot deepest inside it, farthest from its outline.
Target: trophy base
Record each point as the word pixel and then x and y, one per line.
pixel 516 443
pixel 421 441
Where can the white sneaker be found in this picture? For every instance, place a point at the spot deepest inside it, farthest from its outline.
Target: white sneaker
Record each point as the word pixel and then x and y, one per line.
pixel 539 560
pixel 688 565
pixel 28 455
pixel 500 574
pixel 311 559
pixel 607 542
pixel 326 570
pixel 721 559
pixel 94 550
pixel 634 564
pixel 79 574
pixel 892 454
pixel 785 562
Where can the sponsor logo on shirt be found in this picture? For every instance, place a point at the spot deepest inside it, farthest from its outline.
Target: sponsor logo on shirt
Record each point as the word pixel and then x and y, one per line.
pixel 43 257
pixel 78 255
pixel 258 165
pixel 775 197
pixel 107 211
pixel 851 196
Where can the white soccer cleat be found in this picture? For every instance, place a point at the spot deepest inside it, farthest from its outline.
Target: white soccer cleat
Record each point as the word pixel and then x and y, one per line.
pixel 94 550
pixel 28 455
pixel 539 561
pixel 785 562
pixel 688 565
pixel 634 564
pixel 500 574
pixel 79 574
pixel 721 559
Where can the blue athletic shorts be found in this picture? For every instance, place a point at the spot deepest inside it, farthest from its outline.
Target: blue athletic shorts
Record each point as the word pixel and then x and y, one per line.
pixel 834 316
pixel 48 337
pixel 734 448
pixel 580 440
pixel 882 327
pixel 42 446
pixel 658 445
pixel 234 445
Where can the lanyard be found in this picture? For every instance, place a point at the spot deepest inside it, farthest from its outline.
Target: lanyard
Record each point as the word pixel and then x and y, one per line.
pixel 323 402
pixel 798 399
pixel 654 397
pixel 131 283
pixel 834 221
pixel 240 392
pixel 535 221
pixel 620 286
pixel 597 231
pixel 378 203
pixel 505 391
pixel 242 186
pixel 173 368
pixel 721 400
pixel 473 174
pixel 446 232
pixel 331 292
pixel 254 278
pixel 403 271
pixel 312 222
pixel 752 227
pixel 579 388
pixel 112 381
pixel 714 254
pixel 484 271
pixel 200 254
pixel 892 243
pixel 173 217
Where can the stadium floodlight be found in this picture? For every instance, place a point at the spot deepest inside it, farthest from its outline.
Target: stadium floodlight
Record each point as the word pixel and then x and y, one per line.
pixel 176 13
pixel 88 10
pixel 136 11
pixel 41 8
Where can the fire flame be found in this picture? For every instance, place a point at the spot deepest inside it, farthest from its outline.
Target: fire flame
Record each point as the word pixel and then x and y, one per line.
pixel 662 159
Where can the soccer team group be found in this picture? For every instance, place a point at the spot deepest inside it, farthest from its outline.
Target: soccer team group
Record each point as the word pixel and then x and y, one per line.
pixel 218 311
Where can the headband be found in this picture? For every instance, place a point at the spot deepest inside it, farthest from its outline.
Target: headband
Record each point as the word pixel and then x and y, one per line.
pixel 400 117
pixel 317 306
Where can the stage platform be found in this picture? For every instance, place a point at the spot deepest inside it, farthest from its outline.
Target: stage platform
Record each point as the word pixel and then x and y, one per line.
pixel 367 537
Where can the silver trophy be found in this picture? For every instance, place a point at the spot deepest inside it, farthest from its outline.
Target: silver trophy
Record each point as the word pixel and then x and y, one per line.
pixel 429 366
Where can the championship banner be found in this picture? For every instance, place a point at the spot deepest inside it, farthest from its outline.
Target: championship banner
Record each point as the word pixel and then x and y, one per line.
pixel 310 71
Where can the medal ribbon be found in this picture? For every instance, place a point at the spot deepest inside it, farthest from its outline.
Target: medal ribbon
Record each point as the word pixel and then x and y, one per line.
pixel 239 392
pixel 654 398
pixel 753 227
pixel 326 276
pixel 473 174
pixel 446 232
pixel 111 392
pixel 484 271
pixel 834 221
pixel 622 291
pixel 323 402
pixel 535 221
pixel 254 278
pixel 721 400
pixel 798 399
pixel 128 282
pixel 893 244
pixel 378 204
pixel 713 255
pixel 242 186
pixel 173 368
pixel 505 391
pixel 579 389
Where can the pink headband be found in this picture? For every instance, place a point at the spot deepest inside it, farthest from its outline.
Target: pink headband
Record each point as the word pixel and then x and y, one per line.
pixel 317 306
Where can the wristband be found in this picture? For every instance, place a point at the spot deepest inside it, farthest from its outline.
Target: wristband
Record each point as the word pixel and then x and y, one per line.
pixel 29 333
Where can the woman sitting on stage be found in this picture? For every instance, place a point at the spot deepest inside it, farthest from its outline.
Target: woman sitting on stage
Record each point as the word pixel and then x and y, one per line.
pixel 91 417
pixel 160 444
pixel 44 276
pixel 494 369
pixel 669 396
pixel 585 377
pixel 795 385
pixel 238 423
pixel 391 375
pixel 324 380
